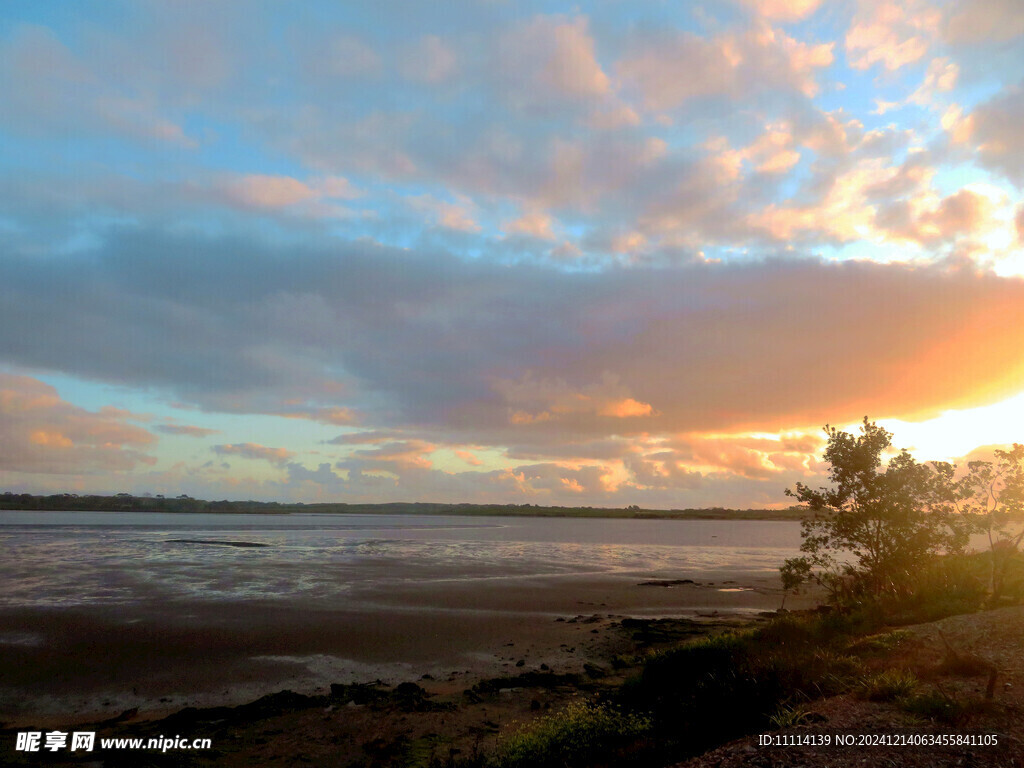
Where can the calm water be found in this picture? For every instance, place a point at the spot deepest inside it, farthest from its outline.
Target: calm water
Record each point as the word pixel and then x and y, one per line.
pixel 71 559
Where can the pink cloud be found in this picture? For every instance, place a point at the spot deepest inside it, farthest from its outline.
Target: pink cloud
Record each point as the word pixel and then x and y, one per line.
pixel 551 56
pixel 532 223
pixel 784 10
pixel 278 456
pixel 262 191
pixel 185 430
pixel 456 215
pixel 670 70
pixel 890 33
pixel 41 433
pixel 59 92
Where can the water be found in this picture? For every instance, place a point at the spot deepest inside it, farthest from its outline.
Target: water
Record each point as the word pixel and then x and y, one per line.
pixel 65 559
pixel 101 612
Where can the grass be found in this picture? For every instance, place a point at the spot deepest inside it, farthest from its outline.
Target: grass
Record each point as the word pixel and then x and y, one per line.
pixel 880 644
pixel 717 688
pixel 787 716
pixel 890 685
pixel 933 705
pixel 582 734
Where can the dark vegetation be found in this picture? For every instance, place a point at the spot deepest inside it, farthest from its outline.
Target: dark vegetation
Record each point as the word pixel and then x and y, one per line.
pixel 125 502
pixel 888 544
pixel 694 696
pixel 899 533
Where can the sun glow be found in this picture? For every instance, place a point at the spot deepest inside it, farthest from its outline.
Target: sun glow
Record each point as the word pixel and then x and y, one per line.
pixel 956 433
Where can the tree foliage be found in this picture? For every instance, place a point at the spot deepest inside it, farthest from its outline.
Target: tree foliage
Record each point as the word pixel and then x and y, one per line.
pixel 991 493
pixel 878 523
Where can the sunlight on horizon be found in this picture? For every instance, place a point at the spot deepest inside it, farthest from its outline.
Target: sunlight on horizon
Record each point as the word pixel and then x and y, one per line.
pixel 956 433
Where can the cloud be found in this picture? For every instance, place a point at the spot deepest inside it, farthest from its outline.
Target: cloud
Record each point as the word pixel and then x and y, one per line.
pixel 783 10
pixel 431 61
pixel 469 458
pixel 41 433
pixel 278 456
pixel 449 215
pixel 773 152
pixel 414 339
pixel 985 22
pixel 670 69
pixel 533 224
pixel 267 193
pixel 549 59
pixel 59 93
pixel 531 400
pixel 261 191
pixel 996 131
pixel 402 454
pixel 892 34
pixel 186 430
pixel 338 416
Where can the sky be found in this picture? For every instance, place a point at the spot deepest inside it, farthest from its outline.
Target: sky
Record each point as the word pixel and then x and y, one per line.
pixel 598 254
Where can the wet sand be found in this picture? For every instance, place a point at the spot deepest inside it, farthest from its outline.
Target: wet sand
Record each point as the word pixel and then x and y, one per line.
pixel 67 665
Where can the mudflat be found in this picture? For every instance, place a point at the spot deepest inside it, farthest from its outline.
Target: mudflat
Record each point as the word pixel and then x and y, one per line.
pixel 63 665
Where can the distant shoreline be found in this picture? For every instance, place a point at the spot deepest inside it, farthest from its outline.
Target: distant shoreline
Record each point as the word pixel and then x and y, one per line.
pixel 185 504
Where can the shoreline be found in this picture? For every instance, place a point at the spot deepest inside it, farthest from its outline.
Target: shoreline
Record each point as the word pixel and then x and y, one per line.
pixel 114 504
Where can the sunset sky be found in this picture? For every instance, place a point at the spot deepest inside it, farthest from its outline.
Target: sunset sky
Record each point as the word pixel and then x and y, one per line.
pixel 603 253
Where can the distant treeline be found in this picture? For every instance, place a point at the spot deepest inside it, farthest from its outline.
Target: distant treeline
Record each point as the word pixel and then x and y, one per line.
pixel 125 502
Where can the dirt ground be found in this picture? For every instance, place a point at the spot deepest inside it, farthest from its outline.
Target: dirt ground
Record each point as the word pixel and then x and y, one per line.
pixel 993 638
pixel 460 714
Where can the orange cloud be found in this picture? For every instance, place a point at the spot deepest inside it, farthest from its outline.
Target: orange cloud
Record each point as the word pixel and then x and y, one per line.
pixel 403 454
pixel 556 399
pixel 772 152
pixel 330 415
pixel 622 409
pixel 40 432
pixel 50 438
pixel 469 458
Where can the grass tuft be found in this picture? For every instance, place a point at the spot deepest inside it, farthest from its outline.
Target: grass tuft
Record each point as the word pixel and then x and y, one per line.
pixel 891 685
pixel 582 734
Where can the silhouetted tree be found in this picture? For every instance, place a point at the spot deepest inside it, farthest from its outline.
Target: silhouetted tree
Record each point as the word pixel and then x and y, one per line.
pixel 875 527
pixel 992 493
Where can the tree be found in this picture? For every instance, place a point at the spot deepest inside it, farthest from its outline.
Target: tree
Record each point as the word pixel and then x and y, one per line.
pixel 992 493
pixel 874 528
